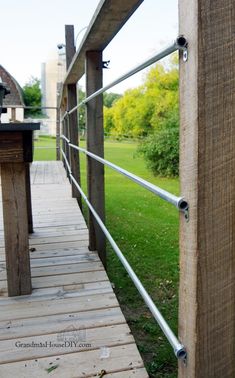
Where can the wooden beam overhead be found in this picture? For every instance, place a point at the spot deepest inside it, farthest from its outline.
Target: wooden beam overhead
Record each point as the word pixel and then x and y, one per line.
pixel 108 19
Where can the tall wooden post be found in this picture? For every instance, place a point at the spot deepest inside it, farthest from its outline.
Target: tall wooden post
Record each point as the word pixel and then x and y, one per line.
pixel 16 228
pixel 73 119
pixel 57 134
pixel 66 146
pixel 28 198
pixel 63 142
pixel 58 122
pixel 95 144
pixel 16 153
pixel 207 241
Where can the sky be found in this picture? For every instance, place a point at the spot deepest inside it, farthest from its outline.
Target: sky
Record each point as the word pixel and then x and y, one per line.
pixel 31 29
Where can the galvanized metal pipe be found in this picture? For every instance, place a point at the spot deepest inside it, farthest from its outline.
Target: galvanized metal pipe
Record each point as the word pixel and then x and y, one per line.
pixel 179 349
pixel 65 138
pixel 179 44
pixel 178 202
pixel 64 116
pixel 66 161
pixel 44 148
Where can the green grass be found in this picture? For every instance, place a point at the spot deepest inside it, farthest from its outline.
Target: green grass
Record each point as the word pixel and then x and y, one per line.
pixel 45 154
pixel 146 229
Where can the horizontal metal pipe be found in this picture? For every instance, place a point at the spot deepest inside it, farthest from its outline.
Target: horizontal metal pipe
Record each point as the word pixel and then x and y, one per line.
pixel 29 107
pixel 179 202
pixel 66 161
pixel 40 107
pixel 179 349
pixel 65 138
pixel 44 148
pixel 63 116
pixel 77 106
pixel 179 44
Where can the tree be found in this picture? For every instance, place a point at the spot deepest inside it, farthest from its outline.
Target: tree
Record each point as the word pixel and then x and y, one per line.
pixel 151 111
pixel 140 111
pixel 81 110
pixel 32 96
pixel 110 98
pixel 161 149
pixel 108 121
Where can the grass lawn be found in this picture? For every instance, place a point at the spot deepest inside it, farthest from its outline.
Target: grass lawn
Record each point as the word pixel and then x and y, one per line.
pixel 146 229
pixel 42 153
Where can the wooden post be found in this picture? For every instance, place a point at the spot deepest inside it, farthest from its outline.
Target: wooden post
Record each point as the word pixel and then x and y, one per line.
pixel 57 125
pixel 95 144
pixel 73 118
pixel 16 152
pixel 28 198
pixel 57 134
pixel 207 241
pixel 16 228
pixel 67 149
pixel 63 142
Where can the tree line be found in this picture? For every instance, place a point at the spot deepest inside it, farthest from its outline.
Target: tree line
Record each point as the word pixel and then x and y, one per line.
pixel 149 112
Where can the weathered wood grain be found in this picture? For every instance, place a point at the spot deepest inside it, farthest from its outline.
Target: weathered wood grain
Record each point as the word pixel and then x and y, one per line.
pixel 95 338
pixel 16 228
pixel 95 144
pixel 108 19
pixel 79 365
pixel 57 323
pixel 207 263
pixel 11 147
pixel 71 291
pixel 28 198
pixel 73 126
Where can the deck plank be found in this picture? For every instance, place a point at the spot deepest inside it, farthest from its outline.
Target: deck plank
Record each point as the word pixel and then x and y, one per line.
pixel 57 323
pixel 72 296
pixel 78 364
pixel 91 338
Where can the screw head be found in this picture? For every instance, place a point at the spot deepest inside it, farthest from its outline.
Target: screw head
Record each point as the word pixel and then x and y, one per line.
pixel 185 55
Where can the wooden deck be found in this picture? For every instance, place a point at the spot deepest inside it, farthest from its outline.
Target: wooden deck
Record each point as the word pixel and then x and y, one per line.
pixel 71 325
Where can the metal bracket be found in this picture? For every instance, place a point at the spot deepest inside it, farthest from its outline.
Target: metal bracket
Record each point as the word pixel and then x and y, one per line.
pixel 105 63
pixel 182 45
pixel 185 360
pixel 185 54
pixel 183 206
pixel 186 215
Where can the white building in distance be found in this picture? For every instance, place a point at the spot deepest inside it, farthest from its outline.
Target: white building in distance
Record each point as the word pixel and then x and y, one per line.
pixel 52 75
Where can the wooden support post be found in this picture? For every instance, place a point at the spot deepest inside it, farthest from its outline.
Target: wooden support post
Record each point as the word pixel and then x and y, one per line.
pixel 57 131
pixel 67 149
pixel 57 135
pixel 28 198
pixel 73 118
pixel 63 142
pixel 95 144
pixel 207 241
pixel 16 228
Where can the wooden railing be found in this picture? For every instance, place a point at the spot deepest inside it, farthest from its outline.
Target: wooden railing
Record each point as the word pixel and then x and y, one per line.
pixel 207 169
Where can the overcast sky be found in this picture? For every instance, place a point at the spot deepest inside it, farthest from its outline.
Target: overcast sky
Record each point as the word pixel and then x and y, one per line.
pixel 30 31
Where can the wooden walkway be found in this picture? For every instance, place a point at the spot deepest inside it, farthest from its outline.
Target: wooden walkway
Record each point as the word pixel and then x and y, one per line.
pixel 71 325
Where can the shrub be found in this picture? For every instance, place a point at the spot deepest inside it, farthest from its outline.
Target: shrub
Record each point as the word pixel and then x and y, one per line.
pixel 161 149
pixel 32 97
